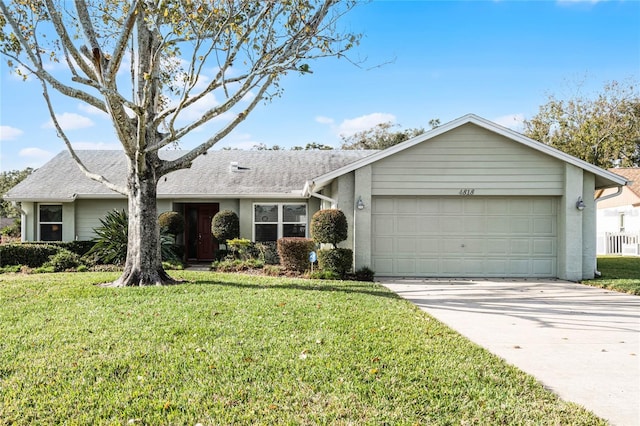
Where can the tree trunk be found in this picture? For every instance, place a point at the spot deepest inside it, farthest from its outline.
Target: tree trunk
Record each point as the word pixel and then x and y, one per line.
pixel 144 261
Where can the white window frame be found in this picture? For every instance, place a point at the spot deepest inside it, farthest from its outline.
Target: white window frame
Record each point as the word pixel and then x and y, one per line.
pixel 61 223
pixel 280 223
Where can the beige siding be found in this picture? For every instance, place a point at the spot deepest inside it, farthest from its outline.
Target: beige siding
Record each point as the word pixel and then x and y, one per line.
pixel 468 157
pixel 89 212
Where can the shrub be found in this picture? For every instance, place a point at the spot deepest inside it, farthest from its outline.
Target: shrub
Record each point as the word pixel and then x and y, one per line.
pixel 12 230
pixel 268 252
pixel 271 270
pixel 111 241
pixel 329 226
pixel 240 247
pixel 78 247
pixel 337 260
pixel 64 260
pixel 225 225
pixel 110 245
pixel 364 274
pixel 237 265
pixel 173 222
pixel 28 254
pixel 294 253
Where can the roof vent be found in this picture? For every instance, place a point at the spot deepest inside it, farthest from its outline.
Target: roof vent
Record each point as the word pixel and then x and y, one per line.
pixel 236 168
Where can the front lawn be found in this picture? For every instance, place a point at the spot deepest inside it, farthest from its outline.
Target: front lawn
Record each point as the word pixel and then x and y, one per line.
pixel 238 349
pixel 618 273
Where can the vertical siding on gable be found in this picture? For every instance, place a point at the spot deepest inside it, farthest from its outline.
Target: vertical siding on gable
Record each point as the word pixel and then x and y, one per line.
pixel 468 157
pixel 89 212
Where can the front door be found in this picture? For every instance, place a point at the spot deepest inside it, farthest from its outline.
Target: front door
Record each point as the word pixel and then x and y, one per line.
pixel 200 243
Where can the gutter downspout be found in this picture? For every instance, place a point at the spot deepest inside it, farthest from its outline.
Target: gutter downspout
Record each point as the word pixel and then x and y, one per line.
pixel 23 219
pixel 597 200
pixel 308 191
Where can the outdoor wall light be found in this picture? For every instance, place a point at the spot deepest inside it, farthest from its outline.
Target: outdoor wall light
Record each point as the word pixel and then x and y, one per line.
pixel 580 204
pixel 360 203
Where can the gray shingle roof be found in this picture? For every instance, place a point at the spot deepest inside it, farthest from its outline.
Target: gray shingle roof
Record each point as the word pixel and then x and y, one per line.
pixel 261 173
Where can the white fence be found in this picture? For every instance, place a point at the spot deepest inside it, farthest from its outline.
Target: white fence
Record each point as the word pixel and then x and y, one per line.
pixel 619 243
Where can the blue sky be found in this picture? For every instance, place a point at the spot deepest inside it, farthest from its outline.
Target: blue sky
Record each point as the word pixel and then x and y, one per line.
pixel 424 59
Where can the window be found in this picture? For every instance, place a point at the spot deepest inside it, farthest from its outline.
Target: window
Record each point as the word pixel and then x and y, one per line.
pixel 50 222
pixel 273 221
pixel 621 222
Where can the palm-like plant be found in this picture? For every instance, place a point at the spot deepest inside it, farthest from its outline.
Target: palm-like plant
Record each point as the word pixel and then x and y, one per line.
pixel 111 242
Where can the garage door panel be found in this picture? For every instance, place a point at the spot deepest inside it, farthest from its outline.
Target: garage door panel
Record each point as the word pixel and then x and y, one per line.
pixel 497 226
pixel 428 246
pixel 406 266
pixel 451 224
pixel 464 236
pixel 406 245
pixel 518 225
pixel 383 245
pixel 544 247
pixel 383 205
pixel 383 266
pixel 498 246
pixel 408 225
pixel 543 267
pixel 520 246
pixel 543 225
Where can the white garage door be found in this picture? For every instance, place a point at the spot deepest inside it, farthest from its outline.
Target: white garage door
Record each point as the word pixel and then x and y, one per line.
pixel 464 236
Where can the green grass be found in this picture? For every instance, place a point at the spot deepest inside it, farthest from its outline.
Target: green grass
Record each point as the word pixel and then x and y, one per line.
pixel 618 274
pixel 236 349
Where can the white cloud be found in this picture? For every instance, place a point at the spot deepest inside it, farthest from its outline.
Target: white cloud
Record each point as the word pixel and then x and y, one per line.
pixel 70 121
pixel 237 141
pixel 8 133
pixel 90 109
pixel 511 121
pixel 97 145
pixel 324 120
pixel 350 126
pixel 36 154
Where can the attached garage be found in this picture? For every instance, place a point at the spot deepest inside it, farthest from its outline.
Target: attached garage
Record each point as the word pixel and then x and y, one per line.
pixel 464 237
pixel 469 199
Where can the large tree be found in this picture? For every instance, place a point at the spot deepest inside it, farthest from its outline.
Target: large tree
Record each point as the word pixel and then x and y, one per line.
pixel 143 63
pixel 603 130
pixel 8 180
pixel 380 136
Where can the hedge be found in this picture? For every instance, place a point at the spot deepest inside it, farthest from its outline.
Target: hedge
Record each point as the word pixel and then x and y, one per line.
pixel 28 254
pixel 294 253
pixel 78 247
pixel 225 225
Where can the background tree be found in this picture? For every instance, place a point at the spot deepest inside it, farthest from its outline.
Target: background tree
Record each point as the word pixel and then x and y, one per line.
pixel 604 131
pixel 8 180
pixel 381 136
pixel 144 63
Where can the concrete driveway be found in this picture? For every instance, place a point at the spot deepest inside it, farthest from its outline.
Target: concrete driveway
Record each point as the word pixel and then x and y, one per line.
pixel 580 342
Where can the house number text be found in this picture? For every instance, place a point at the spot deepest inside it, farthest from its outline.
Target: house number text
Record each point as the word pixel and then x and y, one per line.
pixel 466 191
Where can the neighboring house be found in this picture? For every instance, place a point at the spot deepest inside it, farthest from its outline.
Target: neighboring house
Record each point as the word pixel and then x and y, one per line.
pixel 619 216
pixel 467 199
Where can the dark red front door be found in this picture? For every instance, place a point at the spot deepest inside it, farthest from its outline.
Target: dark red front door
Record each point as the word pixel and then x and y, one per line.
pixel 200 242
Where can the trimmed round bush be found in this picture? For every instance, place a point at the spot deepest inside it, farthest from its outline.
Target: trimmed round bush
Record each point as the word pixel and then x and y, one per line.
pixel 64 260
pixel 294 253
pixel 173 222
pixel 225 225
pixel 337 260
pixel 329 226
